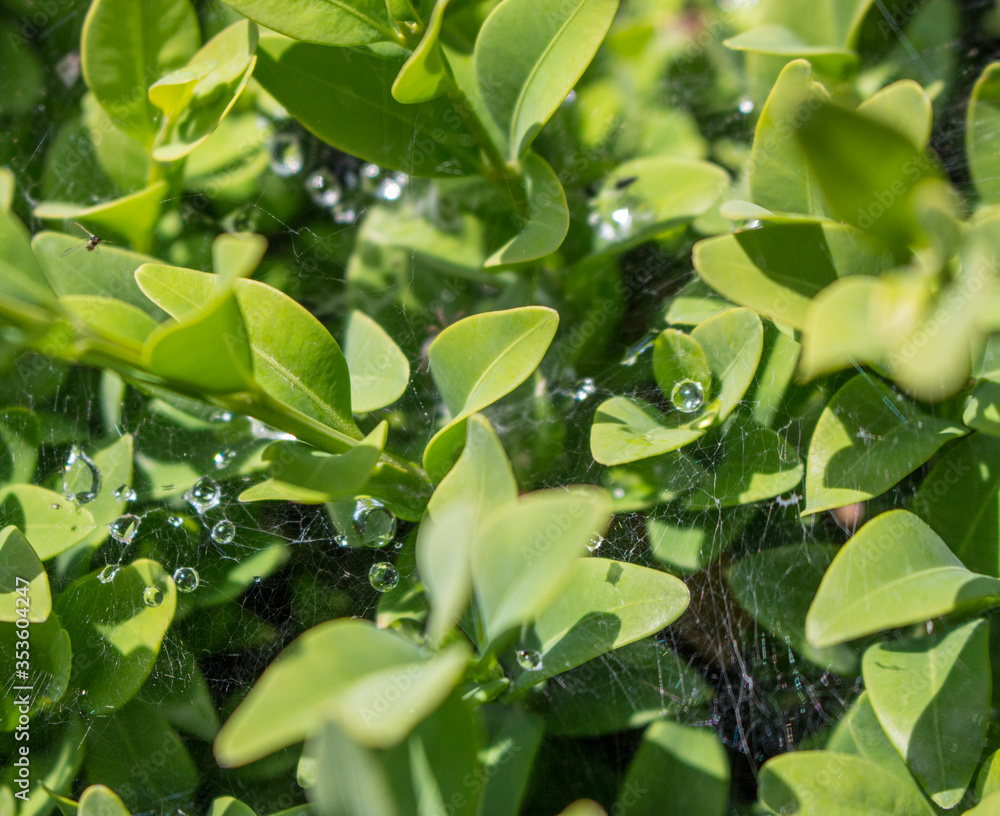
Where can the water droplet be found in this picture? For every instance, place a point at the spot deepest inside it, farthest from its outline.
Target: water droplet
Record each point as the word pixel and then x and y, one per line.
pixel 746 105
pixel 585 389
pixel 152 596
pixel 596 540
pixel 529 659
pixel 340 540
pixel 374 524
pixel 383 576
pixel 221 416
pixel 175 521
pixel 570 98
pixel 637 349
pixel 223 532
pixel 124 528
pixel 223 458
pixel 391 188
pixel 371 171
pixel 286 155
pixel 186 579
pixel 203 495
pixel 324 189
pixel 687 396
pixel 618 493
pixel 80 472
pixel 344 215
pixel 124 493
pixel 107 575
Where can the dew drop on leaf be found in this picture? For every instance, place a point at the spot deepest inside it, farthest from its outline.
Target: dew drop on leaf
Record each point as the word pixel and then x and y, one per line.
pixel 107 574
pixel 383 576
pixel 186 579
pixel 223 532
pixel 124 528
pixel 286 155
pixel 374 524
pixel 203 495
pixel 81 477
pixel 687 396
pixel 124 493
pixel 152 596
pixel 529 659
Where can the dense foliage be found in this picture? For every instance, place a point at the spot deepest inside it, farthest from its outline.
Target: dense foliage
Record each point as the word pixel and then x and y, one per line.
pixel 499 406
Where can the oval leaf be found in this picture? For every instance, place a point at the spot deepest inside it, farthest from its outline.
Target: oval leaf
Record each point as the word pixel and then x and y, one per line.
pixel 379 370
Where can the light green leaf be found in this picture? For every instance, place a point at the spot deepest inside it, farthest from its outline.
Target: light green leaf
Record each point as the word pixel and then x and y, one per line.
pixel 133 216
pixel 732 342
pixel 428 139
pixel 627 430
pixel 526 552
pixel 116 636
pixel 825 783
pixel 229 806
pixel 126 47
pixel 379 370
pixel 173 93
pixel 932 697
pixel 859 732
pixel 960 500
pixel 867 439
pixel 480 482
pixel 8 185
pixel 529 55
pixel 425 74
pixel 608 604
pixel 547 220
pixel 50 662
pixel 112 318
pixel 50 523
pixel 512 742
pixel 677 771
pixel 676 357
pixel 895 571
pixel 340 671
pixel 331 22
pixel 237 254
pixel 903 106
pixel 982 124
pixel 688 542
pixel 20 275
pixel 350 779
pixel 755 464
pixel 776 40
pixel 115 463
pixel 780 179
pixel 24 584
pixel 98 800
pixel 303 474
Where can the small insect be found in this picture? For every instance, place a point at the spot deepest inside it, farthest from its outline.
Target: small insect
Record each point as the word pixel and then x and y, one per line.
pixel 622 183
pixel 92 242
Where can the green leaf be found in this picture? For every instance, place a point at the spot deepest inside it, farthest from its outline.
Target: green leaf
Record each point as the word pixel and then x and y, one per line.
pixel 8 185
pixel 353 781
pixel 116 636
pixel 627 430
pixel 24 584
pixel 50 523
pixel 480 482
pixel 209 350
pixel 547 220
pixel 173 93
pixel 732 342
pixel 478 360
pixel 133 216
pixel 677 771
pixel 229 806
pixel 528 57
pixel 303 474
pixel 776 40
pixel 98 800
pixel 866 171
pixel 982 124
pixel 825 783
pixel 425 73
pixel 331 22
pixel 115 463
pixel 428 139
pixel 117 748
pixel 755 464
pixel 960 500
pixel 526 553
pixel 677 356
pixel 374 683
pixel 776 586
pixel 231 53
pixel 50 662
pixel 608 604
pixel 20 433
pixel 779 176
pixel 859 732
pixel 20 275
pixel 867 439
pixel 688 542
pixel 379 370
pixel 902 106
pixel 112 318
pixel 895 571
pixel 932 697
pixel 513 739
pixel 591 700
pixel 779 267
pixel 108 273
pixel 126 47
